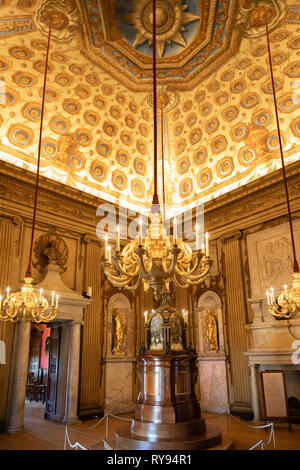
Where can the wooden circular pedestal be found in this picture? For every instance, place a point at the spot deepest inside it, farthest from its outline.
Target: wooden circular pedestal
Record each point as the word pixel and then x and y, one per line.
pixel 167 413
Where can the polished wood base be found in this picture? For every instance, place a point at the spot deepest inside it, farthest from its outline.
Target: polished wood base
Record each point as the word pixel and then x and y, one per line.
pixel 167 413
pixel 126 439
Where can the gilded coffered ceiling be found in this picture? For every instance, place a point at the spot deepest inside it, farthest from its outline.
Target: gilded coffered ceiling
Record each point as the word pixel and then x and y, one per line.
pixel 216 105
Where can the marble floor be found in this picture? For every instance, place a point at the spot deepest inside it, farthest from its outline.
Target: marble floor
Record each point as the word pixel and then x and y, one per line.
pixel 41 434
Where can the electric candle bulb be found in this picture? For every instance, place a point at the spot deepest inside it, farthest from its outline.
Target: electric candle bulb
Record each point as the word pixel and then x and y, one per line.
pixel 57 297
pixel 272 295
pixel 197 237
pixel 109 253
pixel 118 237
pixel 285 290
pixel 175 229
pixel 268 298
pixel 41 291
pixel 7 290
pixel 106 240
pixel 52 300
pixel 140 230
pixel 145 314
pixel 206 245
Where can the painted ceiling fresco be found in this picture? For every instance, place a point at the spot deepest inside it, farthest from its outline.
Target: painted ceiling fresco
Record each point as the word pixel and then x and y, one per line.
pixel 216 107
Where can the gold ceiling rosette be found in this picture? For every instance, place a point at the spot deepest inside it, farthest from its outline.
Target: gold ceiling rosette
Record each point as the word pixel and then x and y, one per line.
pixel 170 20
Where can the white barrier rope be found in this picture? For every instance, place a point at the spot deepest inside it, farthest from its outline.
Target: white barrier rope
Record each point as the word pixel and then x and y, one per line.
pixel 106 445
pixel 261 442
pixel 74 446
pixel 265 444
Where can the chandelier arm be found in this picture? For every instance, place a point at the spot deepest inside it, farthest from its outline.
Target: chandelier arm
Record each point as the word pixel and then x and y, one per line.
pixel 191 271
pixel 199 276
pixel 134 287
pixel 124 284
pixel 175 251
pixel 143 270
pixel 187 253
pixel 121 270
pixel 120 279
pixel 279 314
pixel 177 283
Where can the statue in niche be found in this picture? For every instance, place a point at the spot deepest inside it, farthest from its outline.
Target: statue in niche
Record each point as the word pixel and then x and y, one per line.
pixel 118 332
pixel 212 332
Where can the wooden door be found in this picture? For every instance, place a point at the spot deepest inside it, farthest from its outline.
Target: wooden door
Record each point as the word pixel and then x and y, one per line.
pixel 54 346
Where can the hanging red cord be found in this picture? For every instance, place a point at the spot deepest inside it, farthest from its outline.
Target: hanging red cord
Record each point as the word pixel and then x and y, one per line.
pixel 295 264
pixel 163 162
pixel 28 272
pixel 155 201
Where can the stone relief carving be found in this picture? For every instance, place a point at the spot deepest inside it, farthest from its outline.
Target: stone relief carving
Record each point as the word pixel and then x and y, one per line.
pixel 50 249
pixel 275 261
pixel 270 258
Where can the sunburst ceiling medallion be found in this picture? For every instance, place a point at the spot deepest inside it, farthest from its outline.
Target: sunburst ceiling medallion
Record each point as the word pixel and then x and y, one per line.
pixel 171 21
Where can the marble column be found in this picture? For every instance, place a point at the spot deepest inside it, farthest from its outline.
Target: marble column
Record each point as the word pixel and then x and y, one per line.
pixel 15 415
pixel 254 392
pixel 71 415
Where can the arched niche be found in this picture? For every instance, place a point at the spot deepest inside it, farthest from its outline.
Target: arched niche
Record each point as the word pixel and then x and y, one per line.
pixel 119 364
pixel 212 364
pixel 120 303
pixel 209 303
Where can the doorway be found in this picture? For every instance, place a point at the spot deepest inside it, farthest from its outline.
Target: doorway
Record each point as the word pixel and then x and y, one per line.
pixel 37 376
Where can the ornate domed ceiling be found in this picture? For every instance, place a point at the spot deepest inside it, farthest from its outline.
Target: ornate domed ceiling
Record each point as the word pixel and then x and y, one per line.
pixel 214 85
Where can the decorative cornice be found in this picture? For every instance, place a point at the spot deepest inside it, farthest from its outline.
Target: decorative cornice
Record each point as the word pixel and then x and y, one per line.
pixel 235 207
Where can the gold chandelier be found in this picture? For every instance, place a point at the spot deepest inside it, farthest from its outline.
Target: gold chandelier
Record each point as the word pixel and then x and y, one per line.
pixel 156 260
pixel 288 302
pixel 25 303
pixel 28 305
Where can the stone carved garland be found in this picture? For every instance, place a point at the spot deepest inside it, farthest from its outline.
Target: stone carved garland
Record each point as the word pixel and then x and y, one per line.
pixel 50 249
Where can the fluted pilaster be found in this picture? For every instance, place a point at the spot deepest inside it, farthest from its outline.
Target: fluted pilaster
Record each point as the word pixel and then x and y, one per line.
pixel 92 335
pixel 6 328
pixel 236 319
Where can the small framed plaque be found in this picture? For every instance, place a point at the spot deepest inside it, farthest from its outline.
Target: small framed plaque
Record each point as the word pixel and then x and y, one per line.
pixel 275 396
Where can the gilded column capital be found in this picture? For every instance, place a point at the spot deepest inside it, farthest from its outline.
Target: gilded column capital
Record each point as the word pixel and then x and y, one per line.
pixel 16 220
pixel 86 238
pixel 233 236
